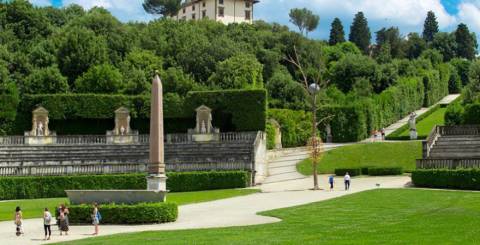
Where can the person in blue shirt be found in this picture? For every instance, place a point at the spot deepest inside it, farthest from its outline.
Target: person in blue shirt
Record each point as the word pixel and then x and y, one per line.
pixel 331 181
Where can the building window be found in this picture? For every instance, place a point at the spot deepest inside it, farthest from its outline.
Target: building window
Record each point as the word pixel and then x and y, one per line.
pixel 204 4
pixel 221 11
pixel 247 15
pixel 247 4
pixel 193 7
pixel 184 10
pixel 204 14
pixel 220 1
pixel 193 16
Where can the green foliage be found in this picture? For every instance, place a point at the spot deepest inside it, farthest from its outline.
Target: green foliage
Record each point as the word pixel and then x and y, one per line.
pixel 385 171
pixel 337 35
pixel 196 181
pixel 414 46
pixel 102 79
pixel 238 72
pixel 162 7
pixel 433 55
pixel 454 114
pixel 304 19
pixel 347 123
pixel 45 81
pixel 270 131
pixel 391 37
pixel 9 99
pixel 430 27
pixel 360 32
pixel 446 44
pixel 464 179
pixel 351 67
pixel 284 92
pixel 296 126
pixel 350 171
pixel 425 123
pixel 142 213
pixel 462 67
pixel 472 114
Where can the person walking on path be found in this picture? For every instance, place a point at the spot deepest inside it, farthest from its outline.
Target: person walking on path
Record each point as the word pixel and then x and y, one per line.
pixel 383 133
pixel 18 220
pixel 347 181
pixel 64 225
pixel 96 217
pixel 47 220
pixel 331 181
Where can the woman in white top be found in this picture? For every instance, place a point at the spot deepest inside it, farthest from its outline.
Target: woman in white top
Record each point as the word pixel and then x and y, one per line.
pixel 47 219
pixel 347 181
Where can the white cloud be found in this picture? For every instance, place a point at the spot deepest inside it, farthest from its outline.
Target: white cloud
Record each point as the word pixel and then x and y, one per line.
pixel 41 3
pixel 468 13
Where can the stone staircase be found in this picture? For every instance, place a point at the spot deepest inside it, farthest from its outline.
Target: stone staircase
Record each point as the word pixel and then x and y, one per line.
pixel 456 147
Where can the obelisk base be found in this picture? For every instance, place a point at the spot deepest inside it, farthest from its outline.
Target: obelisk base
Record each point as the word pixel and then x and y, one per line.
pixel 157 182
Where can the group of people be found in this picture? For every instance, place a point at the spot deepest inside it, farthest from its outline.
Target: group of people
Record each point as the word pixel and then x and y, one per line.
pixel 378 134
pixel 63 224
pixel 346 181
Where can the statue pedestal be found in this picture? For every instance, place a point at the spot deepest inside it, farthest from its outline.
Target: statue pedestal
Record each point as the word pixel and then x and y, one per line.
pixel 413 134
pixel 205 137
pixel 40 140
pixel 157 182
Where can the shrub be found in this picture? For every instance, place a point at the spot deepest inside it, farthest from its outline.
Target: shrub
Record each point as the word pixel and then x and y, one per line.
pixel 351 171
pixel 270 130
pixel 454 114
pixel 53 186
pixel 142 213
pixel 472 114
pixel 465 179
pixel 384 171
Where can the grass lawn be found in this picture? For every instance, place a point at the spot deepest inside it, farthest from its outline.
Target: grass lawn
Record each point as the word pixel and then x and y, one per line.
pixel 384 154
pixel 34 208
pixel 403 216
pixel 424 127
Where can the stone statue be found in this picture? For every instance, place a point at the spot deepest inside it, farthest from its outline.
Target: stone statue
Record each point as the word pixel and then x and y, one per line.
pixel 413 126
pixel 40 133
pixel 328 128
pixel 40 129
pixel 204 130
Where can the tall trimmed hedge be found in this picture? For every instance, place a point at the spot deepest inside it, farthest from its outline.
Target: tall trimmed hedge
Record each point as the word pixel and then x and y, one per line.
pixel 233 110
pixel 142 213
pixel 296 126
pixel 465 179
pixel 53 186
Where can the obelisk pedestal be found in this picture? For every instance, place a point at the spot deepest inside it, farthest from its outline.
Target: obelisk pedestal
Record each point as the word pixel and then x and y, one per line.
pixel 156 180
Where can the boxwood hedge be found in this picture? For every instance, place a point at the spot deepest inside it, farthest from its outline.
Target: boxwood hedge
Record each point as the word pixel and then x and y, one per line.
pixel 351 171
pixel 377 171
pixel 465 179
pixel 53 186
pixel 142 213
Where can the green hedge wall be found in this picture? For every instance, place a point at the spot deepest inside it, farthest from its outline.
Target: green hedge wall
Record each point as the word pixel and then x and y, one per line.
pixel 347 123
pixel 53 186
pixel 142 213
pixel 351 171
pixel 465 179
pixel 384 171
pixel 296 126
pixel 233 110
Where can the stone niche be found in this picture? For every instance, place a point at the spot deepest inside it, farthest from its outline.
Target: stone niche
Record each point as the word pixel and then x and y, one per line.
pixel 40 133
pixel 122 133
pixel 204 130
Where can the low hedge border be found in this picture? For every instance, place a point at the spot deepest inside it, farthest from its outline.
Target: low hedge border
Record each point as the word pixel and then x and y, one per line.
pixel 12 188
pixel 464 179
pixel 351 171
pixel 142 213
pixel 385 171
pixel 396 135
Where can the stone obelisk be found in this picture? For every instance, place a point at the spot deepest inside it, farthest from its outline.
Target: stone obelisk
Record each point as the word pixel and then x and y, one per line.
pixel 156 180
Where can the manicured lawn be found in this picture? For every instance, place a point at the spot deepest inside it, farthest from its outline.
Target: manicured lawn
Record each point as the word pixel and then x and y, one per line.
pixel 384 154
pixel 34 208
pixel 424 127
pixel 405 216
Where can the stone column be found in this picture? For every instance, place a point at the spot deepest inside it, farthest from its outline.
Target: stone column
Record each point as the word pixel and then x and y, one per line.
pixel 156 180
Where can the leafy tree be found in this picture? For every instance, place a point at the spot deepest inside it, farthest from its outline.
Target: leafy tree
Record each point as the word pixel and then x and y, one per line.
pixel 240 71
pixel 385 76
pixel 45 81
pixel 345 72
pixel 100 79
pixel 414 46
pixel 384 54
pixel 337 35
pixel 136 82
pixel 284 92
pixel 466 42
pixel 392 37
pixel 430 27
pixel 446 44
pixel 25 21
pixel 9 99
pixel 462 67
pixel 80 49
pixel 304 19
pixel 162 7
pixel 433 55
pixel 360 32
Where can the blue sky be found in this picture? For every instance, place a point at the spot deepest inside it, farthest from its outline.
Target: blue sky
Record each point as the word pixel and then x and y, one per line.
pixel 408 15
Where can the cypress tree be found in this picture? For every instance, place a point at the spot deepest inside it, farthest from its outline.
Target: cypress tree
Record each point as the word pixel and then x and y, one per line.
pixel 466 43
pixel 430 27
pixel 360 33
pixel 337 35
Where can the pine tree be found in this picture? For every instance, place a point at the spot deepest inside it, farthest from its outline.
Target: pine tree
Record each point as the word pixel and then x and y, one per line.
pixel 337 35
pixel 360 33
pixel 466 43
pixel 430 27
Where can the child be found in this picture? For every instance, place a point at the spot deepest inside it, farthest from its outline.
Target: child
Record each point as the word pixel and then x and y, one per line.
pixel 96 217
pixel 47 219
pixel 18 221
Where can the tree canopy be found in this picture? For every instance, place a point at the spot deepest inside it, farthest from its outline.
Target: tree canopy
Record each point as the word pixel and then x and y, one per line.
pixel 360 32
pixel 430 27
pixel 337 35
pixel 304 19
pixel 162 7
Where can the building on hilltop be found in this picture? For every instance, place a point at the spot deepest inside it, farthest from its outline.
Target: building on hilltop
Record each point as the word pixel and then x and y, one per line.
pixel 225 11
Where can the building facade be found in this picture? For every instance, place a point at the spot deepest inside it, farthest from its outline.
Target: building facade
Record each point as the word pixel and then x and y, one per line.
pixel 225 11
